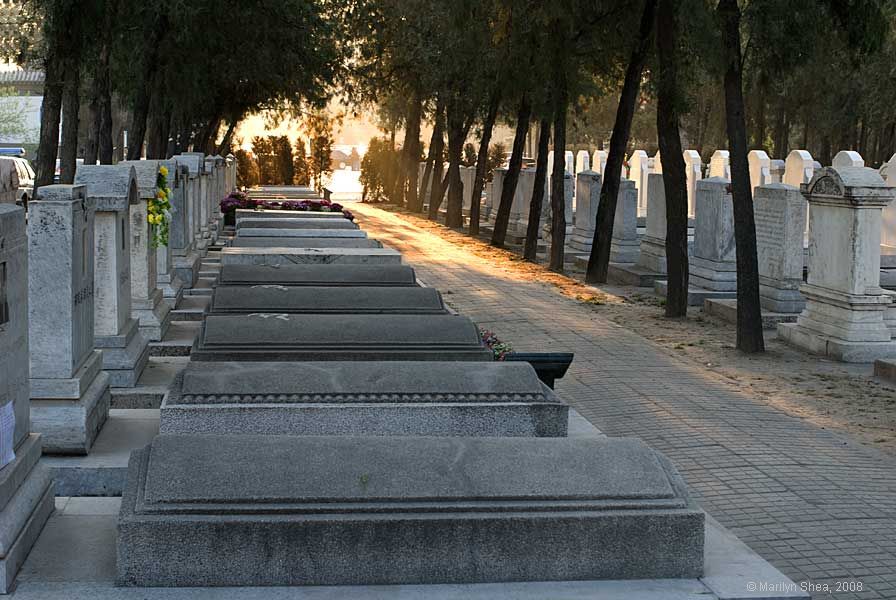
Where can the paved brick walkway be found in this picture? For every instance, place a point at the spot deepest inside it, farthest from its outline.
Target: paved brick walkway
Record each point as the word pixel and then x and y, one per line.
pixel 819 507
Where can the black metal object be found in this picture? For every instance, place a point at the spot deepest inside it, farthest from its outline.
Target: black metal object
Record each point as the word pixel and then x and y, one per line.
pixel 549 366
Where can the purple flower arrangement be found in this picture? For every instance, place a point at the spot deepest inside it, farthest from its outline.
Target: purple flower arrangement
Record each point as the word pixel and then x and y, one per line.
pixel 499 349
pixel 238 199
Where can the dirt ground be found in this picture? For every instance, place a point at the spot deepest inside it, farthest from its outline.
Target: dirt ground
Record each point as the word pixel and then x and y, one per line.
pixel 830 394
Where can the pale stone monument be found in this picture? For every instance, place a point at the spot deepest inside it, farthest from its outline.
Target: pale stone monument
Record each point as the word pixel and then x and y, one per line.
pixel 583 161
pixel 638 169
pixel 548 213
pixel 848 158
pixel 780 212
pixel 587 201
pixel 468 179
pixel 760 168
pixel 713 265
pixel 888 232
pixel 798 168
pixel 519 208
pixel 116 334
pixel 599 161
pixel 493 197
pixel 26 489
pixel 693 166
pixel 624 245
pixel 720 165
pixel 147 302
pixel 569 160
pixel 69 390
pixel 657 163
pixel 846 308
pixel 653 244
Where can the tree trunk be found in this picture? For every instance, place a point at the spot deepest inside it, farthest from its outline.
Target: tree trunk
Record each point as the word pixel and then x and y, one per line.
pixel 599 261
pixel 144 88
pixel 761 120
pixel 228 137
pixel 54 82
pixel 412 151
pixel 530 250
pixel 434 141
pixel 155 144
pixel 71 104
pixel 488 126
pixel 454 217
pixel 672 158
pixel 438 151
pixel 558 177
pixel 94 113
pixel 502 218
pixel 749 316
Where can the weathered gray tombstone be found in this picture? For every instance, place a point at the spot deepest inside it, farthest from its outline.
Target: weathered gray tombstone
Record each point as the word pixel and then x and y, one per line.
pixel 281 337
pixel 468 178
pixel 69 390
pixel 26 489
pixel 599 161
pixel 780 212
pixel 583 162
pixel 363 398
pixel 281 299
pixel 652 256
pixel 195 162
pixel 888 233
pixel 518 222
pixel 170 284
pixel 845 309
pixel 350 510
pixel 209 191
pixel 568 193
pixel 125 350
pixel 319 275
pixel 220 191
pixel 638 171
pixel 181 242
pixel 148 305
pixel 587 201
pixel 776 170
pixel 624 245
pixel 847 158
pixel 714 264
pixel 309 256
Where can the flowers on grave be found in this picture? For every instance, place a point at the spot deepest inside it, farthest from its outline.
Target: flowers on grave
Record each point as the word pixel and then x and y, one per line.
pixel 499 349
pixel 158 210
pixel 238 199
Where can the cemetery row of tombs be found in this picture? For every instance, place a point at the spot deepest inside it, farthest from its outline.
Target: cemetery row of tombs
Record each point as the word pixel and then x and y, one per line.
pixel 336 423
pixel 826 239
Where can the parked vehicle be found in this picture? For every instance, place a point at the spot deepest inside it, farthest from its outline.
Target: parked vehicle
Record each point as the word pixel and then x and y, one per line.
pixel 26 179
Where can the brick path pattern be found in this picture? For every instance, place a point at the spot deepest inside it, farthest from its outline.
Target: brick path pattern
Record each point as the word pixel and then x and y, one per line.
pixel 819 507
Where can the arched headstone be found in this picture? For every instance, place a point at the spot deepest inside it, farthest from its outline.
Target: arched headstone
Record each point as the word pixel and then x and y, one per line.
pixel 638 171
pixel 720 165
pixel 583 161
pixel 760 168
pixel 848 158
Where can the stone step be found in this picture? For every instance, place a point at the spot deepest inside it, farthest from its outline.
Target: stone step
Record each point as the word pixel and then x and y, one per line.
pixel 178 339
pixel 103 471
pixel 203 287
pixel 191 308
pixel 154 383
pixel 726 310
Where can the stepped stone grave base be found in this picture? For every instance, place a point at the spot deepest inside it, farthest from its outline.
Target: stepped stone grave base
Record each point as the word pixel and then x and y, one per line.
pixel 26 502
pixel 696 295
pixel 69 413
pixel 363 398
pixel 319 275
pixel 280 337
pixel 153 315
pixel 172 289
pixel 303 242
pixel 727 311
pixel 296 223
pixel 300 232
pixel 276 510
pixel 272 298
pixel 885 368
pixel 124 356
pixel 842 350
pixel 319 256
pixel 186 268
pixel 632 274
